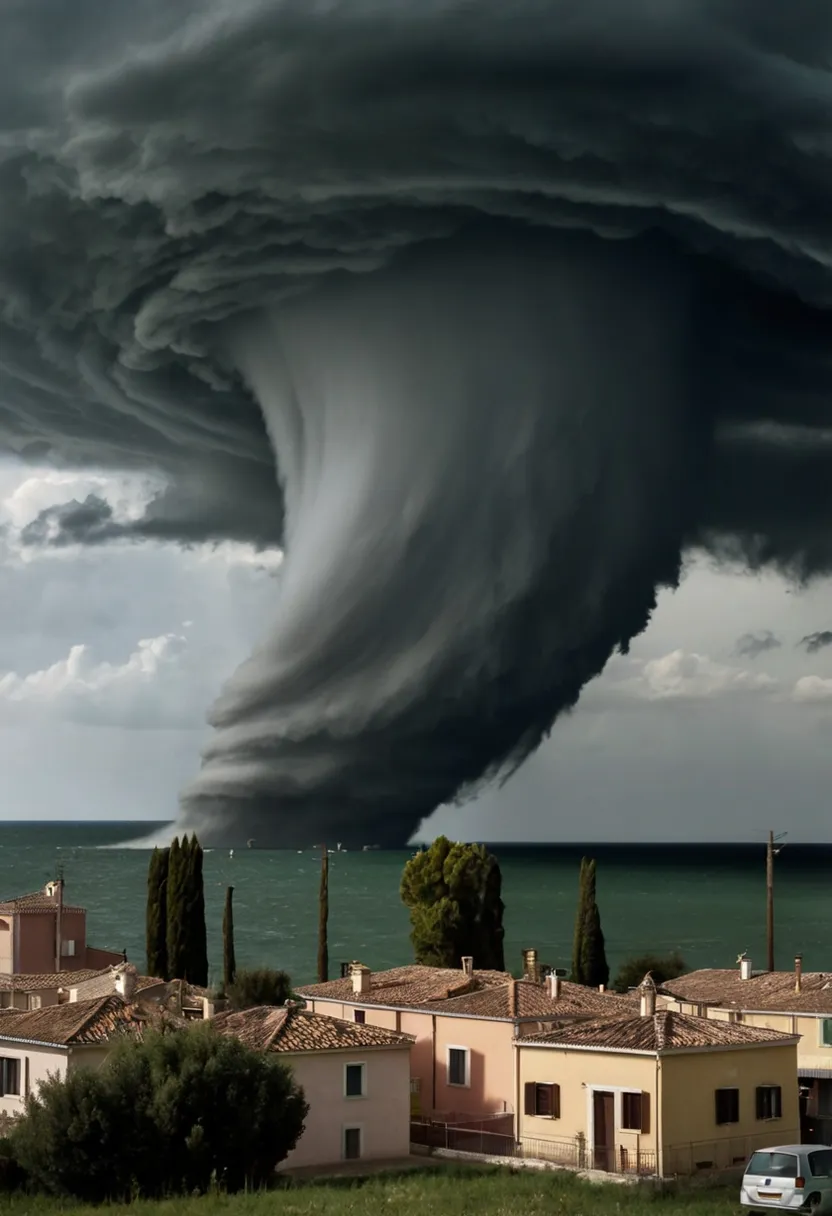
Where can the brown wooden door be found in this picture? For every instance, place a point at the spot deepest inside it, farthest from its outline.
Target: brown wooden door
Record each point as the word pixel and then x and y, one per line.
pixel 603 1105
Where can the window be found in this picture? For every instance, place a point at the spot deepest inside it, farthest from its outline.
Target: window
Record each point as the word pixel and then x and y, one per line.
pixel 9 1075
pixel 820 1163
pixel 772 1165
pixel 352 1143
pixel 542 1100
pixel 354 1081
pixel 634 1112
pixel 68 949
pixel 826 1032
pixel 458 1066
pixel 727 1105
pixel 769 1102
pixel 33 1001
pixel 359 1016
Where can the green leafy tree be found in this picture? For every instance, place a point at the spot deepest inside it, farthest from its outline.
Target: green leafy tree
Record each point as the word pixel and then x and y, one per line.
pixel 174 1113
pixel 323 919
pixel 259 986
pixel 229 962
pixel 196 947
pixel 157 914
pixel 662 967
pixel 454 893
pixel 589 958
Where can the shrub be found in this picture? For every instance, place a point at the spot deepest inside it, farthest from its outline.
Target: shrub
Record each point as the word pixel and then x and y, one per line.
pixel 260 986
pixel 171 1114
pixel 662 967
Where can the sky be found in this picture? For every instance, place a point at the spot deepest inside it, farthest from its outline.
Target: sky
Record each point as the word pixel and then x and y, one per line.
pixel 715 727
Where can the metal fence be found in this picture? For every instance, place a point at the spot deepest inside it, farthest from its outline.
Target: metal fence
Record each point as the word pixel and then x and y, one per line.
pixel 571 1154
pixel 716 1156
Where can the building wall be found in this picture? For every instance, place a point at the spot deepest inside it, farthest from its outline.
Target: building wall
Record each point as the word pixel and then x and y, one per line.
pixel 690 1134
pixel 36 1064
pixel 579 1074
pixel 95 958
pixel 492 1082
pixel 383 1114
pixel 6 946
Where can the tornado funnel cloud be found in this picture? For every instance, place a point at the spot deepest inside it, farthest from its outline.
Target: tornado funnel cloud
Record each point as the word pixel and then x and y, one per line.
pixel 484 454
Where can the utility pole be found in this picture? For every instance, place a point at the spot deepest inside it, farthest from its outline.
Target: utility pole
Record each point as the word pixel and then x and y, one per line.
pixel 773 848
pixel 770 900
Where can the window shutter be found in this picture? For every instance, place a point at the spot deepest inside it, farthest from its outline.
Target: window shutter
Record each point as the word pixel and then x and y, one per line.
pixel 777 1102
pixel 645 1113
pixel 555 1101
pixel 530 1091
pixel 761 1102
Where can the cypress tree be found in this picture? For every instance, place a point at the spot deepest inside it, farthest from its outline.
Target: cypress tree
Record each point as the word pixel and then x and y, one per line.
pixel 229 962
pixel 580 917
pixel 323 918
pixel 196 947
pixel 589 958
pixel 177 878
pixel 156 917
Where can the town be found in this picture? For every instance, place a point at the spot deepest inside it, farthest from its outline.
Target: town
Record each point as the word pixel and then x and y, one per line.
pixel 684 1078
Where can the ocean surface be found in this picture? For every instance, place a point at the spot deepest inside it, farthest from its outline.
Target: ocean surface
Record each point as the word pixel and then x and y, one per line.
pixel 706 901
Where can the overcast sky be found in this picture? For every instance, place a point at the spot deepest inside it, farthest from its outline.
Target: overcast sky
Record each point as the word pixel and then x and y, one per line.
pixel 716 726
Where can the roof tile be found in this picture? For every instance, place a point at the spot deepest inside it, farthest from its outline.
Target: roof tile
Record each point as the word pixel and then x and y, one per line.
pixel 35 901
pixel 293 1029
pixel 77 1022
pixel 657 1033
pixel 766 991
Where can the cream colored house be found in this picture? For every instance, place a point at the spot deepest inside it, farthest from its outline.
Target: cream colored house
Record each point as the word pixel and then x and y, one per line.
pixel 795 1002
pixel 464 1023
pixel 656 1093
pixel 356 1079
pixel 57 1039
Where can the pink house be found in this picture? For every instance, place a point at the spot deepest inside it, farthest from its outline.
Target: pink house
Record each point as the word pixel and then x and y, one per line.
pixel 40 934
pixel 464 1024
pixel 355 1077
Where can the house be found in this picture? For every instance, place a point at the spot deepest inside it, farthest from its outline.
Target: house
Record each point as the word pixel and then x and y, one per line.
pixel 40 933
pixel 464 1023
pixel 794 1002
pixel 658 1092
pixel 57 1039
pixel 355 1076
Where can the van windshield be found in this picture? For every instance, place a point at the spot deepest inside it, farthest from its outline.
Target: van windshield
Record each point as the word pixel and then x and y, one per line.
pixel 773 1165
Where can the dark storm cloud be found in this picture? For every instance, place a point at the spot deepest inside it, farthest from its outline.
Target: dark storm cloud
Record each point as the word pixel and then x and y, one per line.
pixel 815 642
pixel 750 645
pixel 272 242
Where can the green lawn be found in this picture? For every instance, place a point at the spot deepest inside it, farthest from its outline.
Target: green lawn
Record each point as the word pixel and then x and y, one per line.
pixel 429 1192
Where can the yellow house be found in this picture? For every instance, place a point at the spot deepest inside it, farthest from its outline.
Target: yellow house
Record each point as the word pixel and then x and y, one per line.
pixel 657 1093
pixel 795 1002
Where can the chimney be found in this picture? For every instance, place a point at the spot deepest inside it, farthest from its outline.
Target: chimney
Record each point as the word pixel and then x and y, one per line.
pixel 602 987
pixel 647 991
pixel 798 972
pixel 531 967
pixel 512 998
pixel 360 976
pixel 468 965
pixel 553 986
pixel 125 982
pixel 209 1008
pixel 745 967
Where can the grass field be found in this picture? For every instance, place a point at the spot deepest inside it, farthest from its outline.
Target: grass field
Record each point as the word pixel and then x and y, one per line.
pixel 434 1192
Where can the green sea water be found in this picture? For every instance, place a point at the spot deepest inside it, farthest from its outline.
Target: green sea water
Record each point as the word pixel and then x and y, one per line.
pixel 706 901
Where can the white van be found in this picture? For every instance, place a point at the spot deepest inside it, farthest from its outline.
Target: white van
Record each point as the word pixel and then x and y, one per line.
pixel 793 1176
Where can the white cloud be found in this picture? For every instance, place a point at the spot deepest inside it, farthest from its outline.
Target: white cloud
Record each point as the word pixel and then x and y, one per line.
pixel 812 690
pixel 684 676
pixel 151 688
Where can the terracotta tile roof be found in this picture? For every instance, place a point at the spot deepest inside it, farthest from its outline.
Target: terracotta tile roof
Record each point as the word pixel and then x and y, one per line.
pixel 533 1001
pixel 36 901
pixel 661 1032
pixel 50 980
pixel 765 991
pixel 103 983
pixel 407 987
pixel 293 1029
pixel 76 1022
